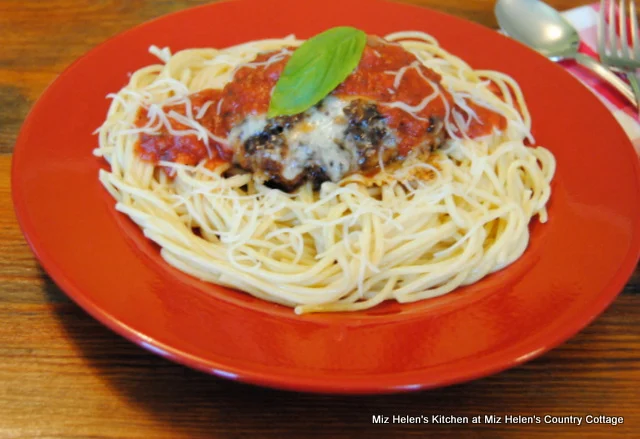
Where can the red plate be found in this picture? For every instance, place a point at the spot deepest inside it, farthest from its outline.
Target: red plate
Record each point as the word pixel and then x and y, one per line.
pixel 575 265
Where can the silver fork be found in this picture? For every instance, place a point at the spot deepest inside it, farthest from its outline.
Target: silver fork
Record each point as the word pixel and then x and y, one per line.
pixel 613 47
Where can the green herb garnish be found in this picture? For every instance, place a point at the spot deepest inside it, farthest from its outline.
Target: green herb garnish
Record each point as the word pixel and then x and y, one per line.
pixel 315 69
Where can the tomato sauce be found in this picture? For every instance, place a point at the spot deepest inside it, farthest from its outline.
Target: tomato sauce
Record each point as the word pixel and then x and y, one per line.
pixel 250 91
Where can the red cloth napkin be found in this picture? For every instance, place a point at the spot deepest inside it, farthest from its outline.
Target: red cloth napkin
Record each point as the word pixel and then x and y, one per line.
pixel 585 20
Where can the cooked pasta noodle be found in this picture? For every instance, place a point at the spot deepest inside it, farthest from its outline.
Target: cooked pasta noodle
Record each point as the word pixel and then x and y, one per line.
pixel 409 233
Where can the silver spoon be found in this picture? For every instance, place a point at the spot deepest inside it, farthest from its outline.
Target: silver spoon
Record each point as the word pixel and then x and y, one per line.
pixel 542 28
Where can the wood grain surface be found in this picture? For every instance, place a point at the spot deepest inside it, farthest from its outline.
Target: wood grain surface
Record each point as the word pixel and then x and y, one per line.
pixel 63 375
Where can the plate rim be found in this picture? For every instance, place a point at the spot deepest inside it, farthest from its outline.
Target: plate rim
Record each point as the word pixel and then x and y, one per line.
pixel 394 382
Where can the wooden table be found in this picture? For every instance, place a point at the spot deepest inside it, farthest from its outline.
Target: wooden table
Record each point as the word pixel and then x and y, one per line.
pixel 63 375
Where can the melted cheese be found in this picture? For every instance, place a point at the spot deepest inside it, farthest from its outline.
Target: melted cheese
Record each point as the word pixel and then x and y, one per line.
pixel 319 139
pixel 251 126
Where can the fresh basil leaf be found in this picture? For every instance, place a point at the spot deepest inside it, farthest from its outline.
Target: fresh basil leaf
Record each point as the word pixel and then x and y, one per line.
pixel 315 69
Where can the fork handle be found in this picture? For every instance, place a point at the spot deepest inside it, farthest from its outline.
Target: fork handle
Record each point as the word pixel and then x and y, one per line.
pixel 635 86
pixel 608 76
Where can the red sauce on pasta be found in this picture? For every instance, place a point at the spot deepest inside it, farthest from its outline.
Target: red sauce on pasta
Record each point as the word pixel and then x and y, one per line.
pixel 375 78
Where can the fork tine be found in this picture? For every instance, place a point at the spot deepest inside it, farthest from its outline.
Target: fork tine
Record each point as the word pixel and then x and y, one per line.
pixel 625 51
pixel 613 38
pixel 602 22
pixel 635 41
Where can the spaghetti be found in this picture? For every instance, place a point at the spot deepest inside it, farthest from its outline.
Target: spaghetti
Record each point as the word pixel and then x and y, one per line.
pixel 409 232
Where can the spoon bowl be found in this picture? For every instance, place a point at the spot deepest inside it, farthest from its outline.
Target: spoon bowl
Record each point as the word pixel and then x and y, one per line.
pixel 539 26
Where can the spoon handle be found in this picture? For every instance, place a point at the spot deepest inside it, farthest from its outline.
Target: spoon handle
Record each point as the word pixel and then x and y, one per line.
pixel 608 76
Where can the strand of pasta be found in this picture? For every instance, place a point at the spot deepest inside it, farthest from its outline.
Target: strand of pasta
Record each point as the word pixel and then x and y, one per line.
pixel 349 246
